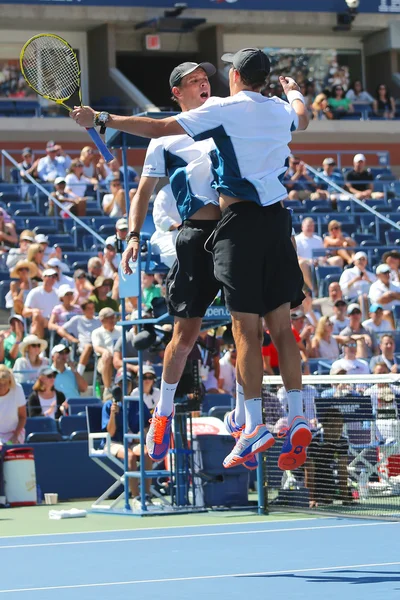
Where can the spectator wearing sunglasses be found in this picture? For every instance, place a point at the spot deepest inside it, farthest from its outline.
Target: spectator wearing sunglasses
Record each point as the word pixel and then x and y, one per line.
pixel 83 287
pixel 356 281
pixel 323 344
pixel 67 380
pixel 27 367
pixel 349 363
pixel 45 400
pixel 338 103
pixel 337 239
pixel 355 331
pixel 151 393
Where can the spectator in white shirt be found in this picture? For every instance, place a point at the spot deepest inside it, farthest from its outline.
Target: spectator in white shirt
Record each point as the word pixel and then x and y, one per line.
pixel 114 204
pixel 151 393
pixel 357 94
pixel 392 258
pixel 306 242
pixel 48 251
pixel 339 319
pixel 52 166
pixel 227 372
pixel 167 221
pixel 111 259
pixel 40 302
pixel 376 324
pixel 76 181
pixel 385 292
pixel 349 362
pixel 60 267
pixel 104 339
pixel 356 281
pixel 387 356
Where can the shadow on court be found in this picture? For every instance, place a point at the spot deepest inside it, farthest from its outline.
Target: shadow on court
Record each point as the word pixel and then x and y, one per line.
pixel 375 577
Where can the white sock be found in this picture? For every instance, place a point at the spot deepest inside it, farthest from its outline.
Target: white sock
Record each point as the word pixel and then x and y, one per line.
pixel 253 414
pixel 166 403
pixel 295 404
pixel 81 368
pixel 240 413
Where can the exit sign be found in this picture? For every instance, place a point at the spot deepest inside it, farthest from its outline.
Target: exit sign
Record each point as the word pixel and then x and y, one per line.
pixel 153 42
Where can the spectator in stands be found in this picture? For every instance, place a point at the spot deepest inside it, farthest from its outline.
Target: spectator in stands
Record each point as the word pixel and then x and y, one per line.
pixel 321 109
pixel 329 170
pixel 297 181
pixel 31 361
pixel 323 344
pixel 357 94
pixel 149 289
pixel 306 242
pixel 60 153
pixel 12 409
pixel 115 171
pixel 92 167
pixel 310 392
pixel 227 372
pixel 62 279
pixel 8 235
pixel 68 380
pixel 339 103
pixel 114 204
pixel 101 298
pixel 379 392
pixel 40 302
pixel 131 352
pixel 269 356
pixel 392 258
pixel 387 348
pixel 110 258
pixel 376 324
pixel 151 393
pixel 359 181
pixel 339 319
pixel 121 229
pixel 28 165
pixel 78 330
pixel 356 281
pixel 385 292
pixel 355 331
pixel 10 341
pixel 22 275
pixel 48 251
pixel 207 350
pixel 45 400
pixel 35 255
pixel 307 88
pixel 95 269
pixel 302 333
pixel 76 185
pixel 52 166
pixel 83 288
pixel 26 238
pixel 104 339
pixel 325 306
pixel 62 196
pixel 167 221
pixel 337 239
pixel 384 104
pixel 64 311
pixel 112 423
pixel 349 363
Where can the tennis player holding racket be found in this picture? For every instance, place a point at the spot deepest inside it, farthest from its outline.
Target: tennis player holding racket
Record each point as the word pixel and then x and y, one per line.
pixel 252 241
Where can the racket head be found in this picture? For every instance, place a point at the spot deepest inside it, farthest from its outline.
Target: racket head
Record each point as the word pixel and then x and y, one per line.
pixel 50 67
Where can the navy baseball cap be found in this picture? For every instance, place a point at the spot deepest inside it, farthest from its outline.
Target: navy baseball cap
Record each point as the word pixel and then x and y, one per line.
pixel 252 63
pixel 188 67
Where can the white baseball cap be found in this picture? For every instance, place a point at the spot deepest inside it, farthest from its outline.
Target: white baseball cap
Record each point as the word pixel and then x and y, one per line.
pixel 110 241
pixel 65 289
pixel 49 272
pixel 382 269
pixel 40 238
pixel 56 262
pixel 359 158
pixel 359 255
pixel 59 180
pixel 59 348
pixel 122 223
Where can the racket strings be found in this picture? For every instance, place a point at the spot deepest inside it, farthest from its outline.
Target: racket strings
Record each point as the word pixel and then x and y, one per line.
pixel 51 68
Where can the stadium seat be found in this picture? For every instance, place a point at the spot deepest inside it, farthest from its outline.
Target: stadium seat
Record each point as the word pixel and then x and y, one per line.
pixel 27 387
pixel 4 289
pixel 76 405
pixel 361 237
pixel 392 237
pixel 44 436
pixel 211 400
pixel 326 282
pixel 311 204
pixel 396 313
pixel 321 273
pixel 7 109
pixel 72 423
pixel 40 425
pixel 26 212
pixel 12 207
pixel 219 412
pixel 79 436
pixel 27 108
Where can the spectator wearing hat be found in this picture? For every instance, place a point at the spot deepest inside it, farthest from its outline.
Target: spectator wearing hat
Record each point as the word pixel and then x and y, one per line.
pixel 329 170
pixel 40 302
pixel 10 341
pixel 78 330
pixel 366 342
pixel 68 380
pixel 114 204
pixel 83 287
pixel 112 423
pixel 51 166
pixel 376 324
pixel 27 367
pixel 336 239
pixel 104 339
pixel 22 275
pixel 151 393
pixel 45 400
pixel 59 266
pixel 356 281
pixel 387 354
pixel 16 254
pixel 121 229
pixel 95 269
pixel 48 251
pixel 12 408
pixel 392 258
pixel 323 344
pixel 349 363
pixel 60 194
pixel 339 318
pixel 385 292
pixel 167 221
pixel 8 235
pixel 359 181
pixel 102 288
pixel 325 306
pixel 110 258
pixel 67 308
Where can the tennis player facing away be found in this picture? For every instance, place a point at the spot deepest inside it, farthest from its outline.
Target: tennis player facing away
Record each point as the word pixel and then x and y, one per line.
pixel 252 240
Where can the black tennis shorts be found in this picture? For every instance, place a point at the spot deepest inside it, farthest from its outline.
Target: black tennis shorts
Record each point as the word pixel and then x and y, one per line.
pixel 254 258
pixel 191 284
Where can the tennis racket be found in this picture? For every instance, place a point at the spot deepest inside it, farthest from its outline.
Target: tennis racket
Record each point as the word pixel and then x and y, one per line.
pixel 51 68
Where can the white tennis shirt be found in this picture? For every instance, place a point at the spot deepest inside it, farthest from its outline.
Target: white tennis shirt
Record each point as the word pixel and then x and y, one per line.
pixel 251 134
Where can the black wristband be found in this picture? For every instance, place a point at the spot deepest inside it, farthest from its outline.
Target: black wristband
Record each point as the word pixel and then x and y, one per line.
pixel 133 235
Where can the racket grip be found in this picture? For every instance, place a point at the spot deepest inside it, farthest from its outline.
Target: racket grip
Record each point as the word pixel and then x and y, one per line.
pixel 102 148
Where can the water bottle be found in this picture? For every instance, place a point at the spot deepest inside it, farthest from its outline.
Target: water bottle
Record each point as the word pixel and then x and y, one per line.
pixel 363 485
pixel 98 389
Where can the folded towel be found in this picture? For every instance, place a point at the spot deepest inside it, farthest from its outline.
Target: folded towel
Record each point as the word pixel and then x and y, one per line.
pixel 73 513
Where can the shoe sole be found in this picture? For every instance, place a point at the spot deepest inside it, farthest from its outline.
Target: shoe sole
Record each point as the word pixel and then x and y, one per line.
pixel 293 460
pixel 250 467
pixel 238 460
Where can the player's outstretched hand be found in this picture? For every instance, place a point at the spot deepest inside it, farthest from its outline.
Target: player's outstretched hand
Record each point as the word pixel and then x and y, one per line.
pixel 130 253
pixel 83 115
pixel 288 84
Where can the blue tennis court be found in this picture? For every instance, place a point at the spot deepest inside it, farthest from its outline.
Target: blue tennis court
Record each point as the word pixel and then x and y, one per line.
pixel 305 558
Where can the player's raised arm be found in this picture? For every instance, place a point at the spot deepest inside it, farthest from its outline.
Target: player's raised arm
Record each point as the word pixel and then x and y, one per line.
pixel 85 116
pixel 296 99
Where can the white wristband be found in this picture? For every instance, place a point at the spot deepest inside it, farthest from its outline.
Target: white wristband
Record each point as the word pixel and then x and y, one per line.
pixel 295 95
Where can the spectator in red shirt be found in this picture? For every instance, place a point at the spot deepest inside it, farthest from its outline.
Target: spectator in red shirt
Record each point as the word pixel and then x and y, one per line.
pixel 302 334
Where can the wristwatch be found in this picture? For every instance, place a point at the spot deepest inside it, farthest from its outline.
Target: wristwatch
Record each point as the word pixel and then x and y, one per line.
pixel 101 119
pixel 133 235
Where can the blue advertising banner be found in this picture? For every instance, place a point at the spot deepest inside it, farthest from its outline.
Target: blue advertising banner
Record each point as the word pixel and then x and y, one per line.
pixel 366 6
